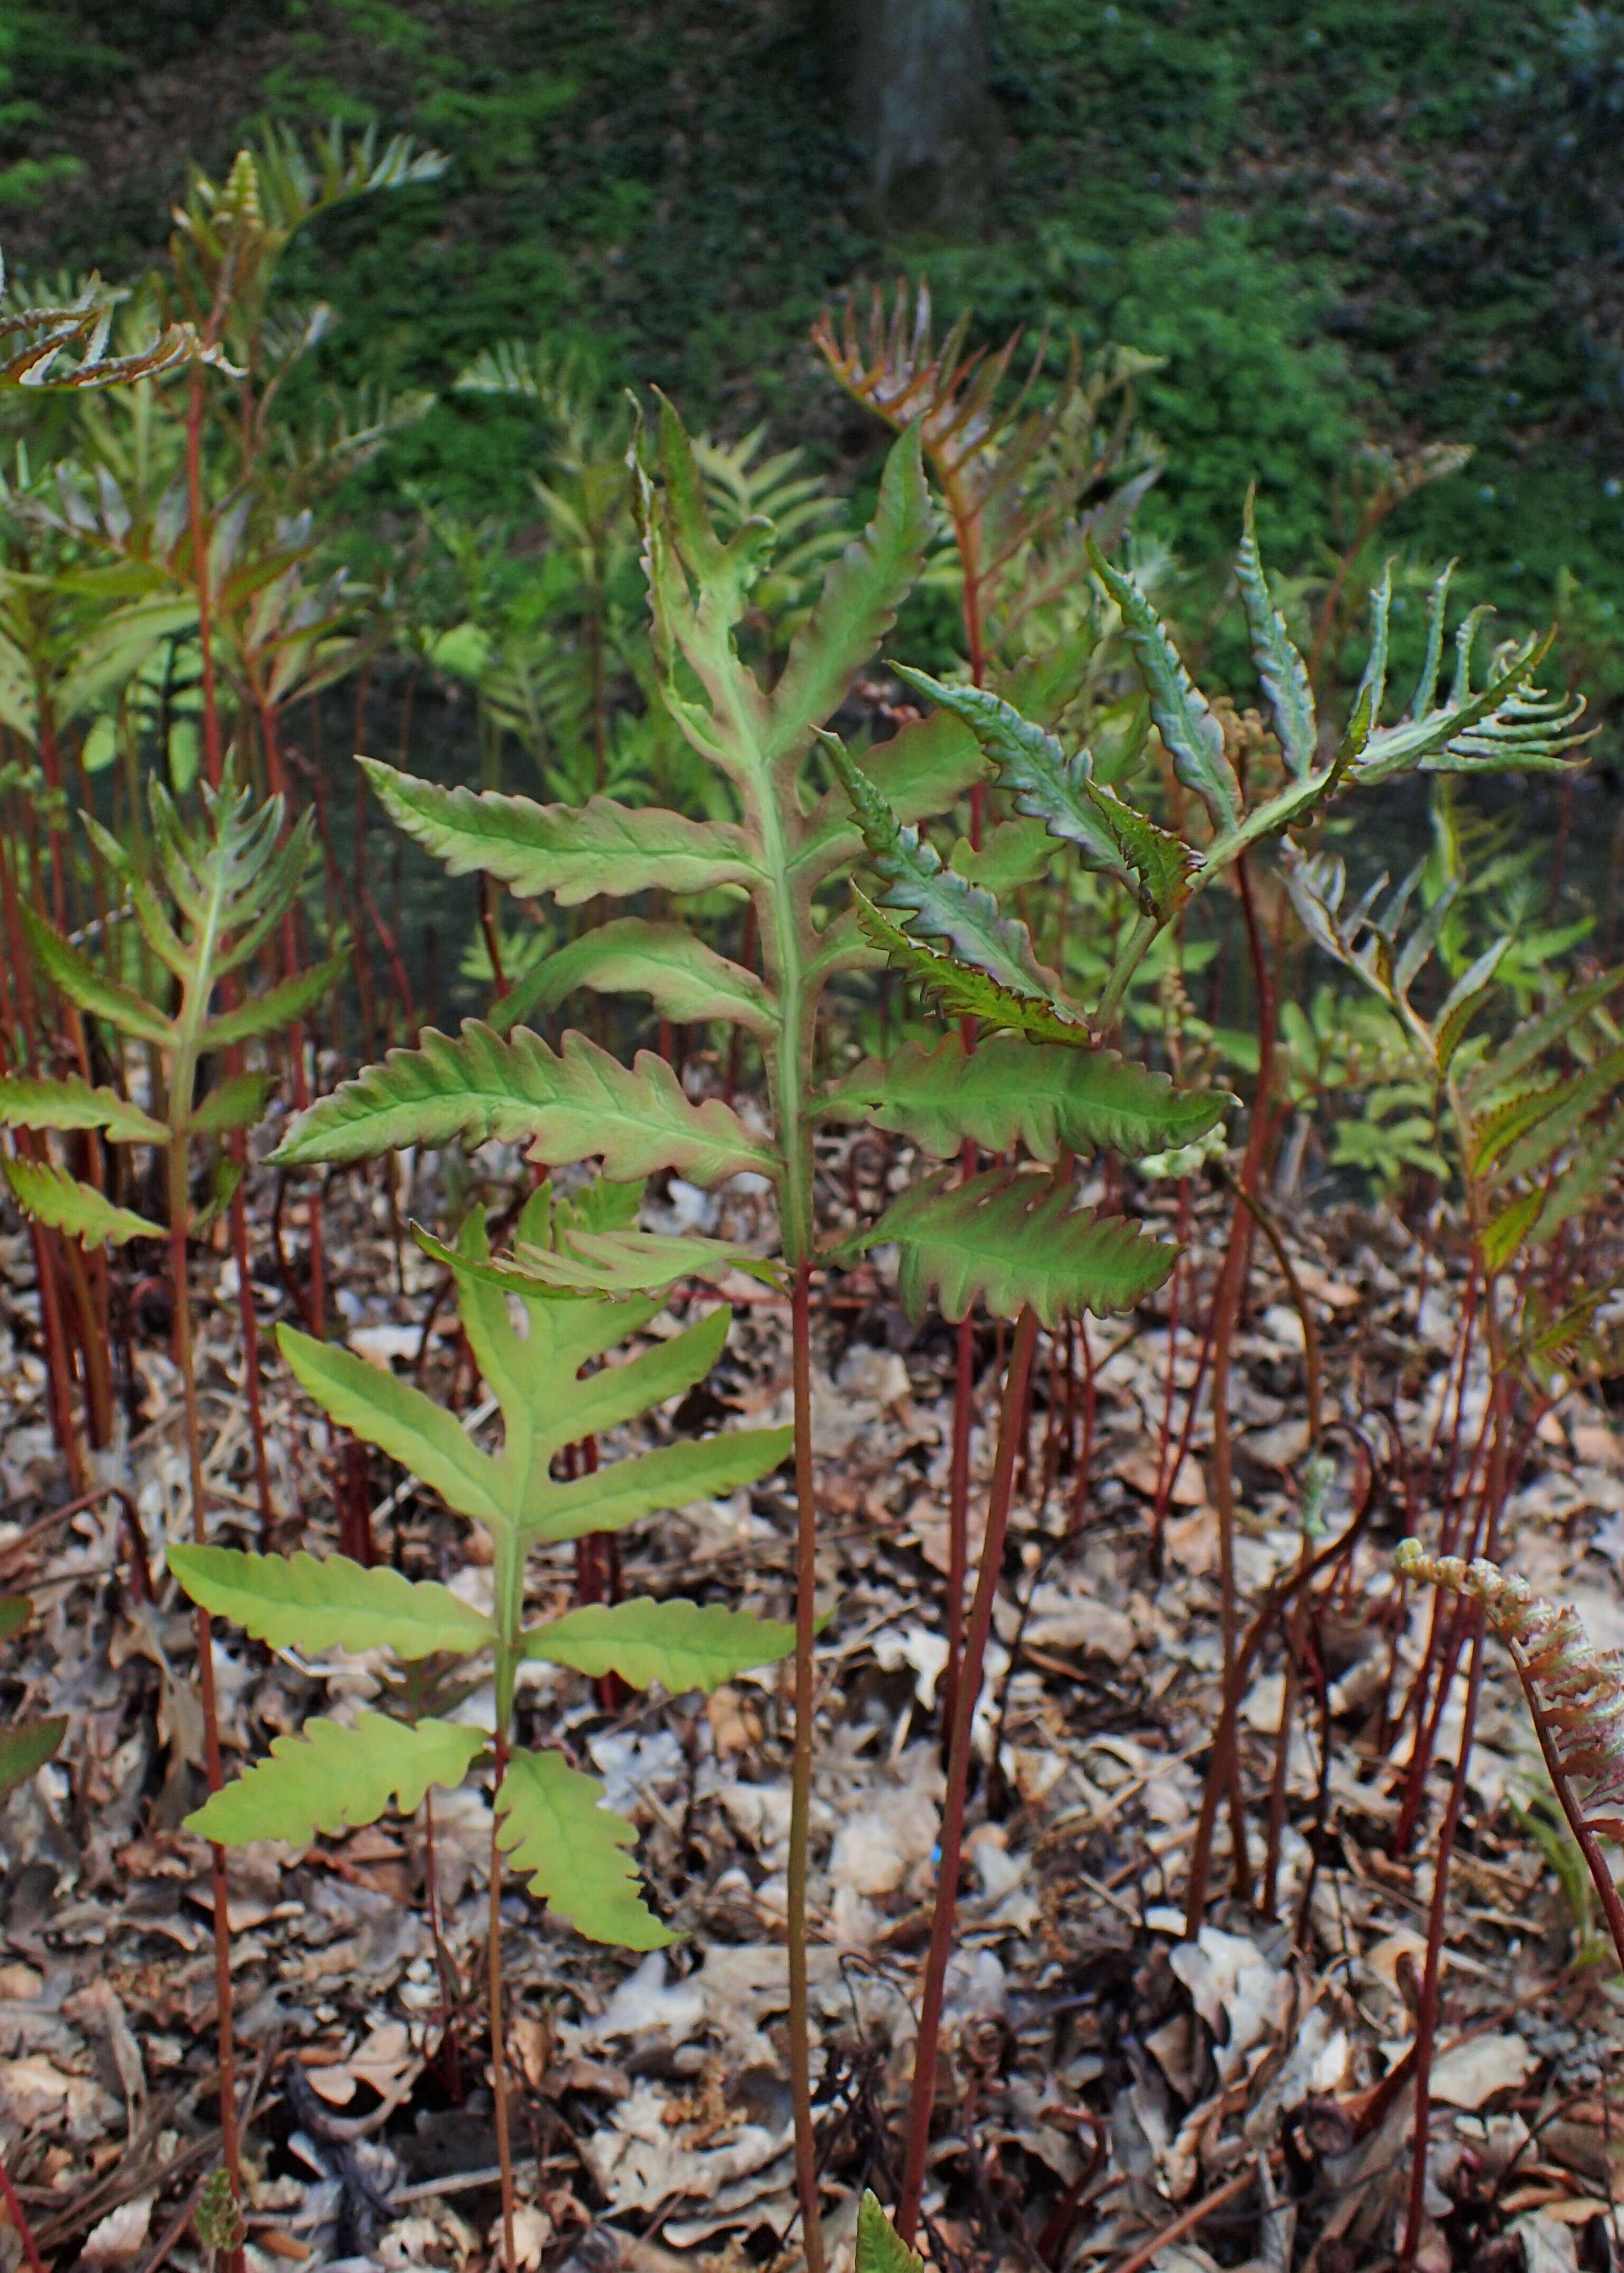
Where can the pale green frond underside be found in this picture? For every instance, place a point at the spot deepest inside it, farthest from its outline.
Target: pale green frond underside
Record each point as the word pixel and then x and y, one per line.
pixel 573 853
pixel 71 1103
pixel 857 604
pixel 52 1196
pixel 390 1412
pixel 92 989
pixel 557 1833
pixel 649 1482
pixel 1015 1242
pixel 1007 1092
pixel 278 1007
pixel 681 1645
pixel 683 978
pixel 314 1603
pixel 332 1778
pixel 577 1105
pixel 611 1263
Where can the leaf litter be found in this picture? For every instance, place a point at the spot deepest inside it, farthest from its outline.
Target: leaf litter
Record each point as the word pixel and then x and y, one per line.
pixel 1103 2076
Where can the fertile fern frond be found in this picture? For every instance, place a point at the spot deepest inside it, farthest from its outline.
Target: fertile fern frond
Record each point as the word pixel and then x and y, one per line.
pixel 1574 1691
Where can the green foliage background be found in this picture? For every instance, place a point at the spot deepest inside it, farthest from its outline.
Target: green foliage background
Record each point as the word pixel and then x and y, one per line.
pixel 1333 218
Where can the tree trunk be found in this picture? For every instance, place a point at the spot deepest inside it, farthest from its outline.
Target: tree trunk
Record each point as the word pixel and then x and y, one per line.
pixel 915 80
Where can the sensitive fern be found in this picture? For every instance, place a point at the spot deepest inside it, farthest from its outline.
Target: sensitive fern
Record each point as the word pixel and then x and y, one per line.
pixel 553 1824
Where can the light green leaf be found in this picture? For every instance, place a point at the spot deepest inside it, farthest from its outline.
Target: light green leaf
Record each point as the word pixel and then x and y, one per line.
pixel 945 904
pixel 964 991
pixel 1578 1187
pixel 683 978
pixel 24 1750
pixel 573 853
pixel 270 1013
pixel 1504 1236
pixel 52 1196
pixel 71 1103
pixel 1007 1092
pixel 1014 1242
pixel 15 1612
pixel 629 1261
pixel 1193 737
pixel 1111 838
pixel 90 989
pixel 574 1107
pixel 679 1644
pixel 236 1102
pixel 857 606
pixel 1581 1098
pixel 1012 855
pixel 330 1603
pixel 331 1778
pixel 113 651
pixel 547 1399
pixel 400 1420
pixel 1531 1039
pixel 652 1481
pixel 1281 671
pixel 557 1833
pixel 616 1393
pixel 880 2249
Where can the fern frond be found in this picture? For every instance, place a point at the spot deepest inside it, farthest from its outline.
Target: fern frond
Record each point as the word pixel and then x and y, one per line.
pixel 1576 1692
pixel 944 904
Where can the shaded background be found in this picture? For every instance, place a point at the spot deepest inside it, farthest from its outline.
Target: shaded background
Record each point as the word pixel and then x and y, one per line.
pixel 1332 218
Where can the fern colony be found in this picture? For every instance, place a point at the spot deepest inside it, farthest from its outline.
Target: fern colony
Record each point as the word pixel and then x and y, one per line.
pixel 1028 861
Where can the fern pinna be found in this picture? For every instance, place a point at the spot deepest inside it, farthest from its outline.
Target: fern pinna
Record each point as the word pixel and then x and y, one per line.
pixel 1576 1700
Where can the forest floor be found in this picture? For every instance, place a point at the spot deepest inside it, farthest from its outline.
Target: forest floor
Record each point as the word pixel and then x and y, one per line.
pixel 1105 2080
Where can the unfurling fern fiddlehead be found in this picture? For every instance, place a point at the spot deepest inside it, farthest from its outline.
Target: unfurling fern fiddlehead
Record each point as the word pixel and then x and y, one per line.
pixel 1575 1699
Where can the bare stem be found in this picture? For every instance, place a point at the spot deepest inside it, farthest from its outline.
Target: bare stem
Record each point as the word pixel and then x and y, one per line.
pixel 498 2031
pixel 180 1103
pixel 923 2099
pixel 18 2218
pixel 1283 1591
pixel 1426 2012
pixel 800 1772
pixel 1231 1287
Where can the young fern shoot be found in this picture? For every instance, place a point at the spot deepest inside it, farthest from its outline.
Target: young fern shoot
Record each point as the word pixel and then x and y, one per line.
pixel 229 884
pixel 550 1823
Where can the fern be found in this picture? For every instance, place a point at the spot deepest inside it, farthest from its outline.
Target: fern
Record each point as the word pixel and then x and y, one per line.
pixel 1506 722
pixel 227 885
pixel 554 1825
pixel 1575 1699
pixel 1015 1242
